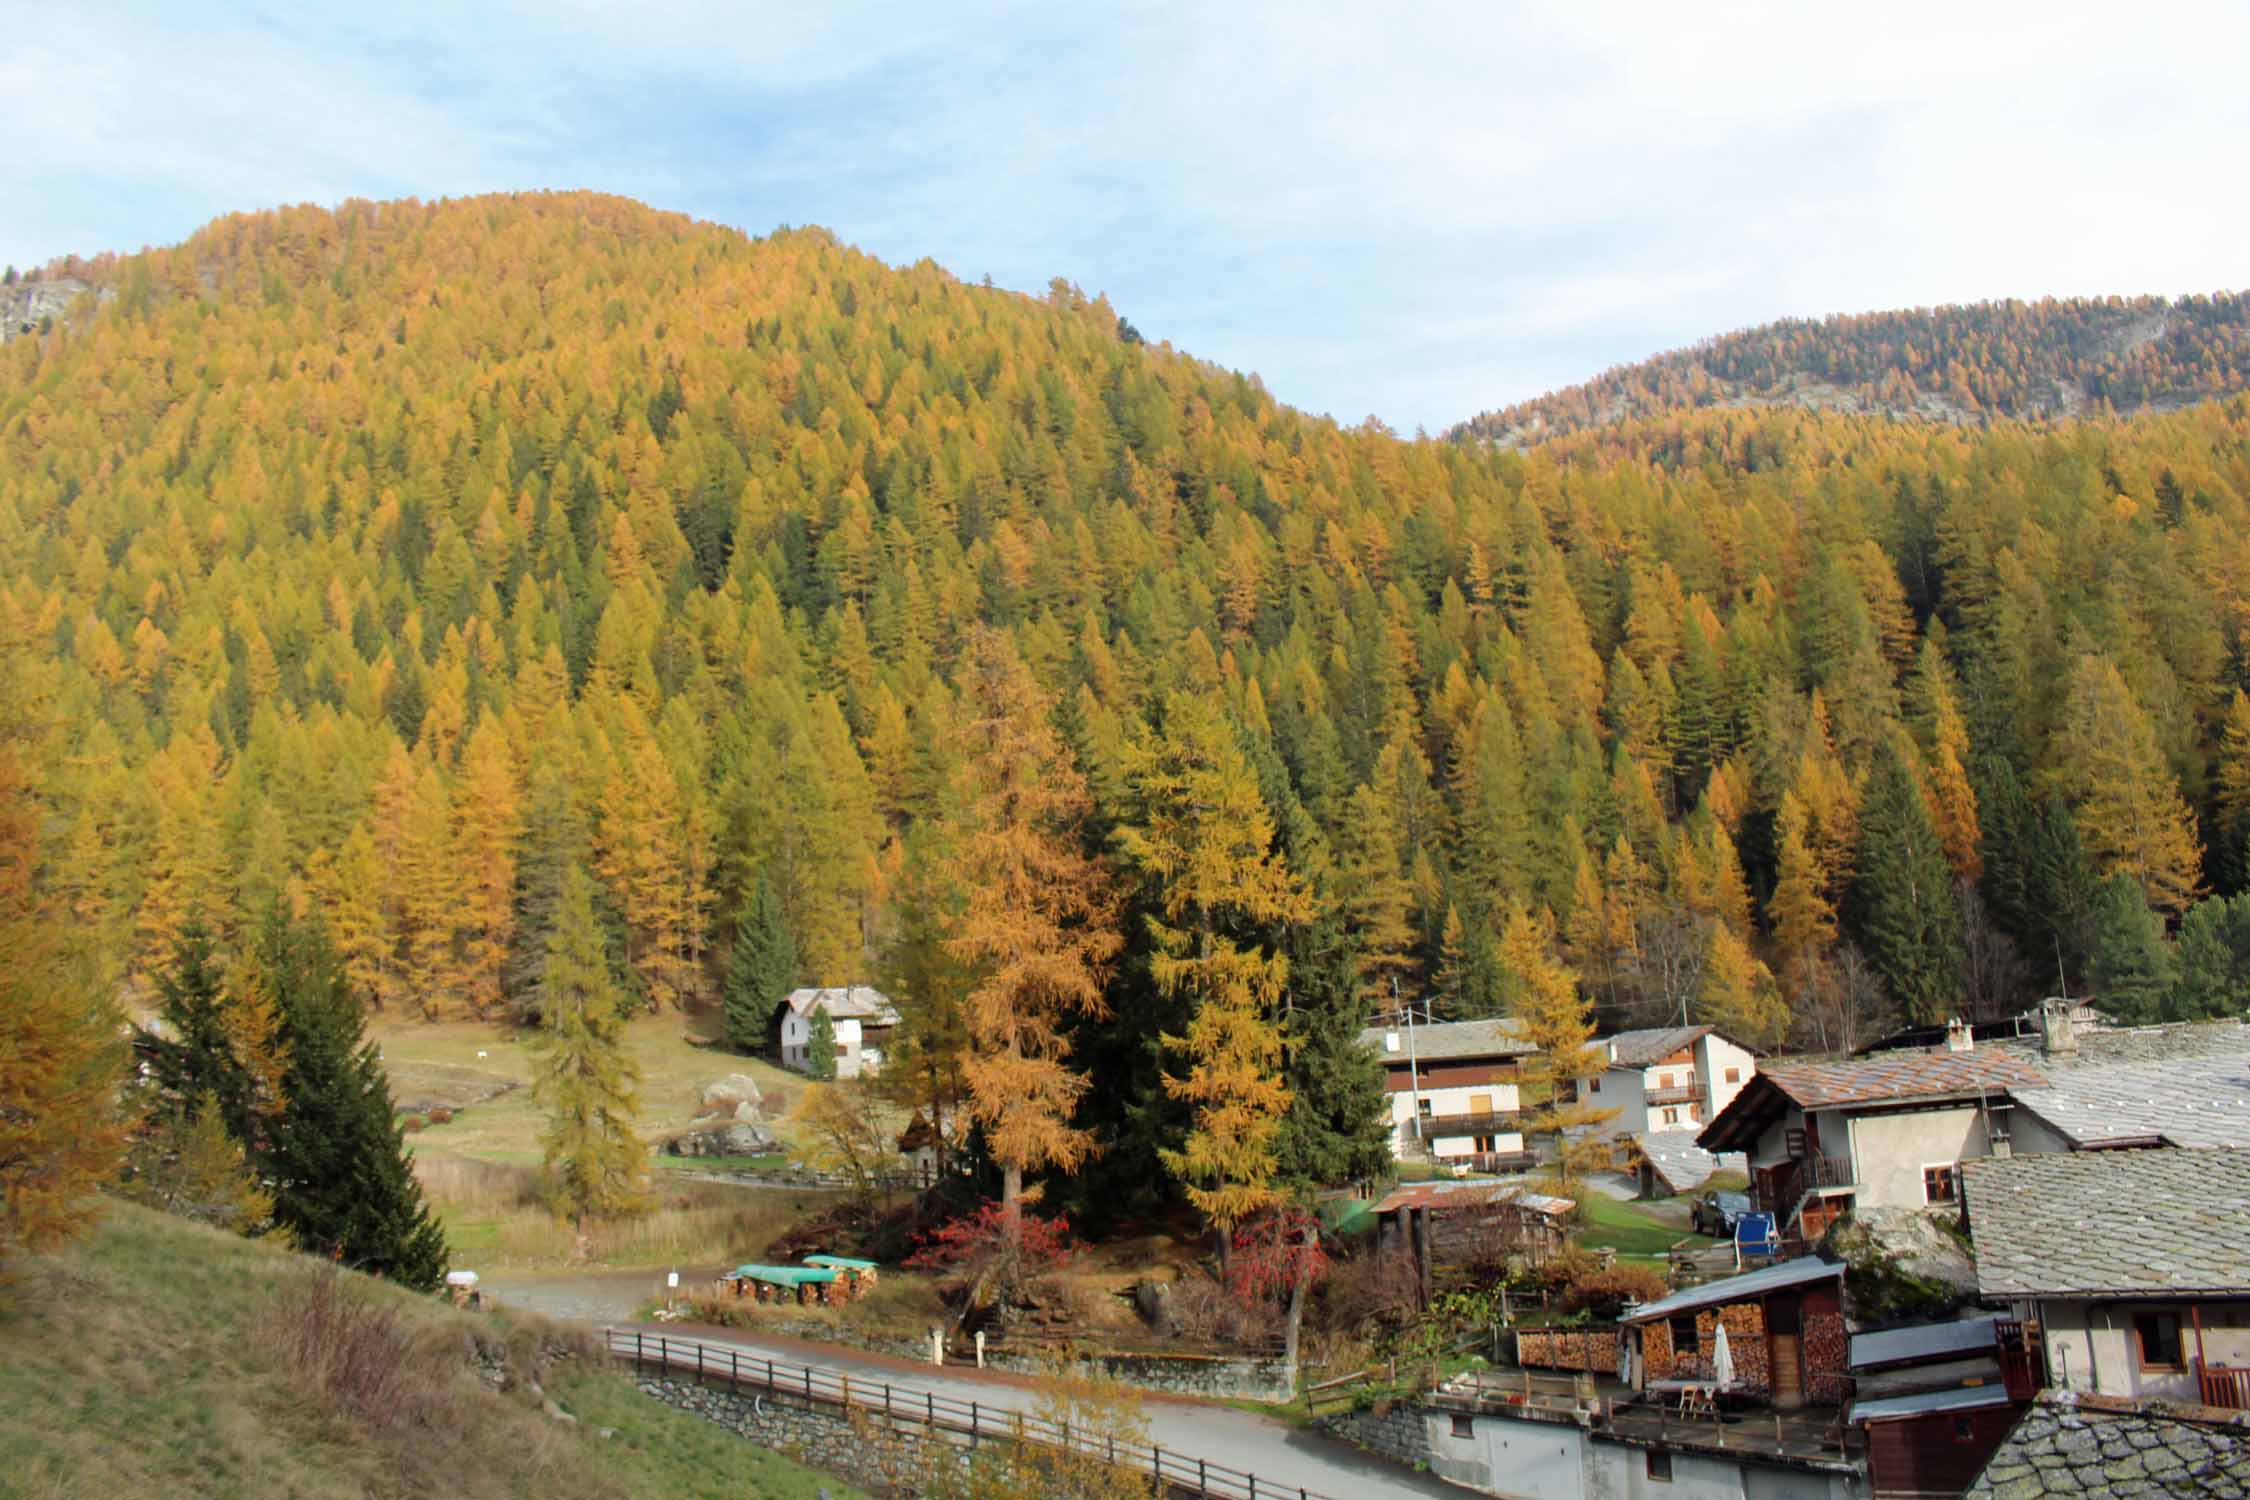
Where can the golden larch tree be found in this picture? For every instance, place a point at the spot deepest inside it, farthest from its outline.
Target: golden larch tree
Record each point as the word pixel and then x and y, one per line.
pixel 1038 927
pixel 1204 838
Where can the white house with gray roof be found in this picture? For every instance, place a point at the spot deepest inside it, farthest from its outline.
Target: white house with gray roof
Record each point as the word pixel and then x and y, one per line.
pixel 864 1020
pixel 1669 1078
pixel 2135 1265
pixel 1452 1090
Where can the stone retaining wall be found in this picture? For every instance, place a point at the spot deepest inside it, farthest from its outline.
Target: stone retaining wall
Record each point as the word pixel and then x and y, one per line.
pixel 1175 1374
pixel 1399 1433
pixel 864 1448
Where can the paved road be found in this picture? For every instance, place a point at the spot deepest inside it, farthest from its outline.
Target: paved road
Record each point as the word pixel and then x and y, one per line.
pixel 1272 1450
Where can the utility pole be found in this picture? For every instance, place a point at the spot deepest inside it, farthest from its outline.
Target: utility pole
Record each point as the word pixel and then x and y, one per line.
pixel 1413 1063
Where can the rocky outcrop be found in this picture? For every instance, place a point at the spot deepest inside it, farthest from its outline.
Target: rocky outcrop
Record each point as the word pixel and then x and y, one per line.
pixel 27 304
pixel 740 1138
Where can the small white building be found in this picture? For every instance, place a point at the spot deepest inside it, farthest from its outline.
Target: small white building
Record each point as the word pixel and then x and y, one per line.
pixel 864 1019
pixel 1669 1078
pixel 1452 1089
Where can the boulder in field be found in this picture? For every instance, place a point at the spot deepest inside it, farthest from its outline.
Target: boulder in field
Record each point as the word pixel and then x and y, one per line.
pixel 738 1139
pixel 735 1089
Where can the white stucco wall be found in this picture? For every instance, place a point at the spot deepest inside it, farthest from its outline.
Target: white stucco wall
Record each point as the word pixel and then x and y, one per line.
pixel 1513 1457
pixel 1889 1151
pixel 1621 1091
pixel 1714 1055
pixel 1460 1100
pixel 2090 1346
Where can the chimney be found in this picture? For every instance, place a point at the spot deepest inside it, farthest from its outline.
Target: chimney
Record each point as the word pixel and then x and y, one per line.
pixel 1390 1041
pixel 1958 1037
pixel 2057 1036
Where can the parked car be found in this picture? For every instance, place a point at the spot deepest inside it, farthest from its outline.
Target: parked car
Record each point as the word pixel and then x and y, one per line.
pixel 1716 1214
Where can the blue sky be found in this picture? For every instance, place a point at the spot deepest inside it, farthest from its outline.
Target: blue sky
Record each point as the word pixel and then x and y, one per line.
pixel 1412 211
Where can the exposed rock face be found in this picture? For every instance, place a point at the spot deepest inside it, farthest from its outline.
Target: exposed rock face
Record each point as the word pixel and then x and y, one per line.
pixel 739 1139
pixel 26 304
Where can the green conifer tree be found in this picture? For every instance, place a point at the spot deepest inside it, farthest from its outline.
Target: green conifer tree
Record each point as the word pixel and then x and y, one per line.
pixel 761 968
pixel 1903 907
pixel 1337 1129
pixel 337 1162
pixel 597 1165
pixel 820 1047
pixel 2132 967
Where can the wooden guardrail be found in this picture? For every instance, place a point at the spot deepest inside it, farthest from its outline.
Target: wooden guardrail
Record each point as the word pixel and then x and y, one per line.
pixel 724 1367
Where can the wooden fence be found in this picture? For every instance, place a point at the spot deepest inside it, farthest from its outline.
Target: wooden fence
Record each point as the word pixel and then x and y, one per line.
pixel 723 1367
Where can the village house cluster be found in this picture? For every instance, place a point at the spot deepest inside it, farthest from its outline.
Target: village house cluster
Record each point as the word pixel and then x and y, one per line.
pixel 2092 1184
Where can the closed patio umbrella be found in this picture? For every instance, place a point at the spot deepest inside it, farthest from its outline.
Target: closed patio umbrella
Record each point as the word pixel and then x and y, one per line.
pixel 1722 1360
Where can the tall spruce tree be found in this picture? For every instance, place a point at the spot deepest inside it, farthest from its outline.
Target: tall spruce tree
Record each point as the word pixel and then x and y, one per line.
pixel 761 968
pixel 1903 908
pixel 193 1056
pixel 596 1163
pixel 1337 1129
pixel 336 1161
pixel 2132 966
pixel 2214 961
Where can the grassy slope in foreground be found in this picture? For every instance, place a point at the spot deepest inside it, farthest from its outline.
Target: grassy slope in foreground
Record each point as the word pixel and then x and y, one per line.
pixel 139 1362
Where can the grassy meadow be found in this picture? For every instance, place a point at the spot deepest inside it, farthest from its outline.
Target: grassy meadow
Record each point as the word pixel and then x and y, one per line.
pixel 154 1357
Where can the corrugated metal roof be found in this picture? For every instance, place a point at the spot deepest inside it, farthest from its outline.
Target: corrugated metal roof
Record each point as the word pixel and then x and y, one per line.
pixel 1961 1398
pixel 1894 1346
pixel 781 1275
pixel 1744 1288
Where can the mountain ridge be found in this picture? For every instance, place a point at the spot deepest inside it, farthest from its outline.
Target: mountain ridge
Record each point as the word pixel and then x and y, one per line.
pixel 1967 363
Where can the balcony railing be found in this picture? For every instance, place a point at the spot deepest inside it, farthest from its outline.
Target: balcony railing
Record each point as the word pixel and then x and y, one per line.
pixel 2223 1385
pixel 1687 1093
pixel 1782 1186
pixel 1448 1127
pixel 1497 1162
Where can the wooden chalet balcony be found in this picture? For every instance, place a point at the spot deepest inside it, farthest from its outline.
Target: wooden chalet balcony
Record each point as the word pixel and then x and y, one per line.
pixel 1779 1188
pixel 1498 1162
pixel 1686 1093
pixel 1448 1127
pixel 2223 1385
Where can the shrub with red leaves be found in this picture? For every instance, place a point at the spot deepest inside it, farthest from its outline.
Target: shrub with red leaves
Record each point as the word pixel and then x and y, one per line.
pixel 977 1249
pixel 1274 1252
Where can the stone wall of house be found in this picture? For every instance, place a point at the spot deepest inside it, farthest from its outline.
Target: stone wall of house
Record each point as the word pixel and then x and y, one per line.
pixel 1568 1349
pixel 1399 1430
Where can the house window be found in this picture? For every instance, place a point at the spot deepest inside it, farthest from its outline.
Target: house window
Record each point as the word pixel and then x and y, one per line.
pixel 842 1050
pixel 1938 1185
pixel 2156 1339
pixel 1683 1338
pixel 1484 1145
pixel 1671 1117
pixel 1659 1465
pixel 1464 1426
pixel 1426 1108
pixel 1597 1085
pixel 1964 1429
pixel 1734 1075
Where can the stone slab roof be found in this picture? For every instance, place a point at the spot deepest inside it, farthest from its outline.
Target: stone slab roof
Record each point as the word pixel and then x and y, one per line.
pixel 2064 1449
pixel 1898 1076
pixel 1681 1163
pixel 2189 1100
pixel 1635 1050
pixel 2082 1223
pixel 2111 1045
pixel 859 1002
pixel 1450 1041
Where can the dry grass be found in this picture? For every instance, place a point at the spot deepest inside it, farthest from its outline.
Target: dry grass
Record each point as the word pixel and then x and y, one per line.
pixel 433 1060
pixel 495 1216
pixel 152 1359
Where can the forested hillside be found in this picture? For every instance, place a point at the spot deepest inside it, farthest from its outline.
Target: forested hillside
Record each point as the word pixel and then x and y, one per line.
pixel 402 562
pixel 1970 364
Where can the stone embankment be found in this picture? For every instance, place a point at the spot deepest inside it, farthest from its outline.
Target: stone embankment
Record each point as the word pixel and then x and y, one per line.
pixel 863 1448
